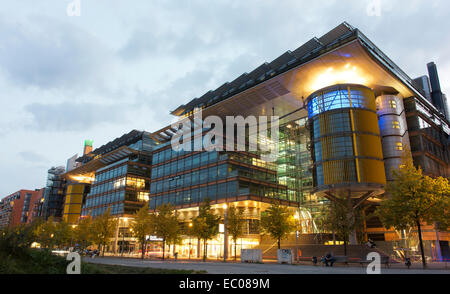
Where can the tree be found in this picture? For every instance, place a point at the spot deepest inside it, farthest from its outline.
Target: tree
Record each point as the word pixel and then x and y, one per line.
pixel 414 199
pixel 335 218
pixel 44 232
pixel 17 239
pixel 278 222
pixel 235 225
pixel 166 225
pixel 205 225
pixel 83 233
pixel 104 227
pixel 142 227
pixel 62 234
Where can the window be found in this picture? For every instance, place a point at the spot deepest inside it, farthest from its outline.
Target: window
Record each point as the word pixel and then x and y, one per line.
pixel 187 163
pixel 399 146
pixel 222 171
pixel 187 180
pixel 202 193
pixel 194 195
pixel 212 192
pixel 395 125
pixel 204 158
pixel 195 178
pixel 196 161
pixel 222 190
pixel 212 174
pixel 232 188
pixel 203 176
pixel 393 104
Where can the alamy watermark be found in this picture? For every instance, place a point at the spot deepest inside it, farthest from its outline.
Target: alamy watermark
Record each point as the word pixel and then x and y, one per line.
pixel 74 267
pixel 207 134
pixel 374 268
pixel 374 8
pixel 74 8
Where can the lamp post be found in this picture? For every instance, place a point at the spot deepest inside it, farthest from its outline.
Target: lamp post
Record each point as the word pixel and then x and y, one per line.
pixel 131 232
pixel 71 235
pixel 123 242
pixel 190 226
pixel 297 218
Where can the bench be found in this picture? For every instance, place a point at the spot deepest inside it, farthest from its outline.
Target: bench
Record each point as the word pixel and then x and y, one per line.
pixel 337 259
pixel 384 260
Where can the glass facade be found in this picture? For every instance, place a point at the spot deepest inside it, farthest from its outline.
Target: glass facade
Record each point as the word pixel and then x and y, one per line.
pixel 54 194
pixel 429 136
pixel 187 178
pixel 122 186
pixel 346 143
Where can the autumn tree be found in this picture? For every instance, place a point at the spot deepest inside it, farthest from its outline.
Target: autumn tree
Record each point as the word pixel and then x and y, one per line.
pixel 341 220
pixel 414 199
pixel 62 234
pixel 142 227
pixel 235 225
pixel 278 222
pixel 45 232
pixel 83 233
pixel 166 225
pixel 205 225
pixel 104 227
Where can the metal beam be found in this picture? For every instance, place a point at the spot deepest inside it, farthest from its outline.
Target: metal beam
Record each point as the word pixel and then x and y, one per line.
pixel 334 198
pixel 362 199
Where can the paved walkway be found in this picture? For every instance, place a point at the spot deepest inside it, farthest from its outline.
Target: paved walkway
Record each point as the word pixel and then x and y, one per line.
pixel 245 268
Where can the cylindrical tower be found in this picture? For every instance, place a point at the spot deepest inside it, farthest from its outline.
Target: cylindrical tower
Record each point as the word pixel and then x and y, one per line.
pixel 346 142
pixel 393 130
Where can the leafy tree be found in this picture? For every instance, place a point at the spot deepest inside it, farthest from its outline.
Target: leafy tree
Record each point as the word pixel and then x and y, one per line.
pixel 104 227
pixel 142 227
pixel 338 219
pixel 83 233
pixel 205 225
pixel 278 222
pixel 414 199
pixel 235 225
pixel 166 225
pixel 14 241
pixel 45 232
pixel 62 234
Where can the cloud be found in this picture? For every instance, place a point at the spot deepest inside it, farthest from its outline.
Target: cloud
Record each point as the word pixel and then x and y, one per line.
pixel 47 53
pixel 69 116
pixel 32 156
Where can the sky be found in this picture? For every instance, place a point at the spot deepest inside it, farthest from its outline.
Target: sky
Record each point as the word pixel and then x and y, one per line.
pixel 124 65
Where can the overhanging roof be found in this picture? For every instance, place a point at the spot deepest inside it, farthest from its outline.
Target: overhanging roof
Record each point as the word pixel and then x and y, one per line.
pixel 283 84
pixel 88 169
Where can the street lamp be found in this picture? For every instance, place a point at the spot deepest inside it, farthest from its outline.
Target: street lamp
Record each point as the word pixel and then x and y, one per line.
pixel 297 219
pixel 190 226
pixel 131 232
pixel 71 239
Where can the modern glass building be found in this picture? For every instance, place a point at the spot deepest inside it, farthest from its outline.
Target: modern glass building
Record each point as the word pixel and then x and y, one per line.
pixel 53 204
pixel 115 176
pixel 346 113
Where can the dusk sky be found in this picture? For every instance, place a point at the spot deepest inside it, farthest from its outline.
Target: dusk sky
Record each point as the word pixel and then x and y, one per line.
pixel 124 65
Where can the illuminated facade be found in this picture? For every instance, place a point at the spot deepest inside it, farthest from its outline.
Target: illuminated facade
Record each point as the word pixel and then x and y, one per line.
pixel 347 112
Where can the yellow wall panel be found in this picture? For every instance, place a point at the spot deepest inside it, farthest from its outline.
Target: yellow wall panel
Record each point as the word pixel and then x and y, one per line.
pixel 372 171
pixel 366 121
pixel 369 145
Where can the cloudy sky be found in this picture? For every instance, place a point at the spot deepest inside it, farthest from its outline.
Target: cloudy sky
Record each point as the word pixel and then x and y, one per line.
pixel 123 65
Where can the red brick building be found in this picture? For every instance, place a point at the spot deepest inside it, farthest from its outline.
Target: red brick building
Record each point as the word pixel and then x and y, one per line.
pixel 17 208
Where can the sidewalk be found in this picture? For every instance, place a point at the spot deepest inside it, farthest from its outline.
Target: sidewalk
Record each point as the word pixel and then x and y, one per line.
pixel 401 266
pixel 216 267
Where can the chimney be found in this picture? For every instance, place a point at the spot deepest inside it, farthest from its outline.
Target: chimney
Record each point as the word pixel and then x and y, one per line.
pixel 436 93
pixel 87 146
